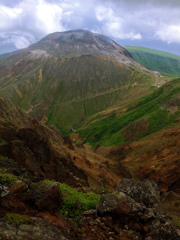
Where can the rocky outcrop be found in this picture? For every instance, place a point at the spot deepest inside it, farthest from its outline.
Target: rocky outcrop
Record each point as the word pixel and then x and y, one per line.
pixel 135 212
pixel 37 148
pixel 145 192
pixel 36 229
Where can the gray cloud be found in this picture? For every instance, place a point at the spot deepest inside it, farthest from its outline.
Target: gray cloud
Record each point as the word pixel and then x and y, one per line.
pixel 23 22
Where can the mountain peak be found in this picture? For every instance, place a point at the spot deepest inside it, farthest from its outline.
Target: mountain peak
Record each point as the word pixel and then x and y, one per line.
pixel 78 36
pixel 75 43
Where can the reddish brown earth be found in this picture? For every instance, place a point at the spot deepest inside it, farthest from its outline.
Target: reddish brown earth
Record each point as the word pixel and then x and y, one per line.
pixel 155 157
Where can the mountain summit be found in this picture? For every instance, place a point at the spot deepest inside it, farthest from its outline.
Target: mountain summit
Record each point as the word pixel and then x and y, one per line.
pixel 68 76
pixel 80 42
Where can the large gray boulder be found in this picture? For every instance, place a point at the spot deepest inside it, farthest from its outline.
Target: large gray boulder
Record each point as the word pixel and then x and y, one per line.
pixel 145 192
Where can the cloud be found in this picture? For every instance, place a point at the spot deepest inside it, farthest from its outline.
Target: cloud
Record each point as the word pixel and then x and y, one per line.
pixel 23 22
pixel 169 34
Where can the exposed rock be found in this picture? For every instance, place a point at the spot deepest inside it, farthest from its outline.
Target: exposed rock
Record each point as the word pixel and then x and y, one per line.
pixel 18 187
pixel 35 147
pixel 145 192
pixel 129 235
pixel 4 191
pixel 113 206
pixel 87 217
pixel 37 229
pixel 52 198
pixel 161 230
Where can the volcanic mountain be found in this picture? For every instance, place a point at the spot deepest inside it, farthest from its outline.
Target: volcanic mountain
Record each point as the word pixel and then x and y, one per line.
pixel 68 76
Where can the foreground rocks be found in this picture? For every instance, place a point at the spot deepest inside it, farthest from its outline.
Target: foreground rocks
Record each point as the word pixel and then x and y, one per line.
pixel 117 215
pixel 36 229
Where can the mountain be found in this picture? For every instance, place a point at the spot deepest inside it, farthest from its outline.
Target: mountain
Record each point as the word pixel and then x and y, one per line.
pixel 68 76
pixel 163 62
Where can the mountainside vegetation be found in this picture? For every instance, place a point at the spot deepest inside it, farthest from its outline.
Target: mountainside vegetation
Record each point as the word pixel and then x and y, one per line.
pixel 64 89
pixel 153 112
pixel 163 62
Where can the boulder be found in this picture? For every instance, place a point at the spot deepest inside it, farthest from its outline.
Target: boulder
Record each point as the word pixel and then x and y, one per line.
pixel 52 198
pixel 162 229
pixel 37 228
pixel 113 205
pixel 145 192
pixel 18 187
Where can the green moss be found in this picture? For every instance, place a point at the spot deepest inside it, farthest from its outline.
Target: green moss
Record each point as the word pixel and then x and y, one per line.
pixel 16 219
pixel 75 203
pixel 7 178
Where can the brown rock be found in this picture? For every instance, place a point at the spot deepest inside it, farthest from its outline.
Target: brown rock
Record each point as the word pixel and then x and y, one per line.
pixel 90 213
pixel 113 206
pixel 52 198
pixel 148 238
pixel 129 235
pixel 18 187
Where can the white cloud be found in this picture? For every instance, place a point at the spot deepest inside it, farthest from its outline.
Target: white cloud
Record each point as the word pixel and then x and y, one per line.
pixel 169 34
pixel 115 25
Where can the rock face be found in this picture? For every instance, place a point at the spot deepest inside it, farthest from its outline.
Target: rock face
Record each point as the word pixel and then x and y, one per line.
pixel 36 229
pixel 52 198
pixel 34 147
pixel 145 192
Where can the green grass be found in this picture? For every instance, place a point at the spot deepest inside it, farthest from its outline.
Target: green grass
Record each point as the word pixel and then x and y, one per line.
pixel 109 131
pixel 163 62
pixel 75 203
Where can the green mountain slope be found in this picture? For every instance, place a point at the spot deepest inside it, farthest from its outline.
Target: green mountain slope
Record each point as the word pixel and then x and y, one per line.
pixel 67 77
pixel 151 114
pixel 163 62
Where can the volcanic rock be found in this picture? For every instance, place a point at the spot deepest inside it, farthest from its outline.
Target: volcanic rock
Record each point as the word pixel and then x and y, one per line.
pixel 145 192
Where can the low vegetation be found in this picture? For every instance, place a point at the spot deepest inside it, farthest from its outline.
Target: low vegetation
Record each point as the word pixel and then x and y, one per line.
pixel 154 110
pixel 17 219
pixel 163 62
pixel 75 203
pixel 7 178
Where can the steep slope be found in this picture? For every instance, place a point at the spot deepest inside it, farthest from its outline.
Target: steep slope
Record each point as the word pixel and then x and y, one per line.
pixel 68 76
pixel 46 154
pixel 163 62
pixel 149 115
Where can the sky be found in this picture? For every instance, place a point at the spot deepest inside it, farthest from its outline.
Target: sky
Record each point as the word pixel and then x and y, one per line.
pixel 149 23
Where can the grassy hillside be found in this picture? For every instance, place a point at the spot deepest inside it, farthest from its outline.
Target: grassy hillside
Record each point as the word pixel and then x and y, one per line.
pixel 163 62
pixel 152 113
pixel 64 92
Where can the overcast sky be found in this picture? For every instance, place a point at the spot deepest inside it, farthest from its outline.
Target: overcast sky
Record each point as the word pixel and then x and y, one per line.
pixel 150 23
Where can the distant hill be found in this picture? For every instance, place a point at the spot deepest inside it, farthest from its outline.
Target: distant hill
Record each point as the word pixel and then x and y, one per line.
pixel 163 62
pixel 68 76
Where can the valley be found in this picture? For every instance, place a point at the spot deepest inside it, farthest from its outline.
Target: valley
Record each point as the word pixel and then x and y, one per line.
pixel 89 142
